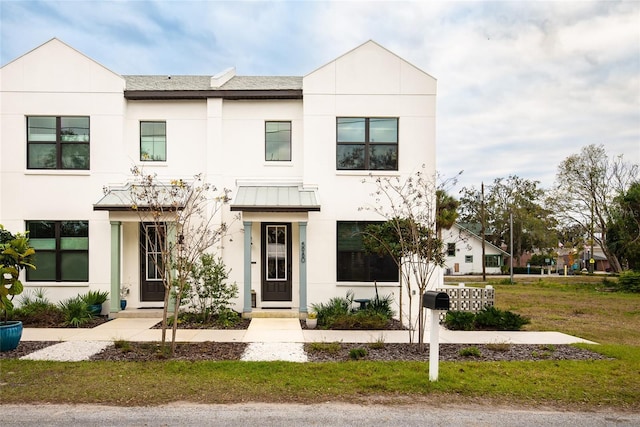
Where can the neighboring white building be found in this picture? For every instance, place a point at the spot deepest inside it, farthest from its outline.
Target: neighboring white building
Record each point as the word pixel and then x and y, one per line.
pixel 464 253
pixel 294 151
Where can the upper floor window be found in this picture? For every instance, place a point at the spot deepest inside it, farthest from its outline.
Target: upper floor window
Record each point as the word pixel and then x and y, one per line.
pixel 62 251
pixel 367 143
pixel 153 141
pixel 277 141
pixel 57 142
pixel 354 264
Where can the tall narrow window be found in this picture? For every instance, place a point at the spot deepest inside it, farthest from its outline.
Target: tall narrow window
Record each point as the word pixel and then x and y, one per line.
pixel 367 143
pixel 62 251
pixel 57 142
pixel 153 141
pixel 277 141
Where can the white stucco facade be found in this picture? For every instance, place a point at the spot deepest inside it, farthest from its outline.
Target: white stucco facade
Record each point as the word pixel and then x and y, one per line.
pixel 222 135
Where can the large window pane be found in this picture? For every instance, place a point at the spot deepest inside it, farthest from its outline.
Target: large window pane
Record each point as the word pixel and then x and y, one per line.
pixel 41 156
pixel 74 266
pixel 74 129
pixel 383 130
pixel 278 141
pixel 153 141
pixel 351 130
pixel 383 157
pixel 62 250
pixel 46 267
pixel 68 146
pixel 41 129
pixel 353 263
pixel 350 156
pixel 75 156
pixel 377 148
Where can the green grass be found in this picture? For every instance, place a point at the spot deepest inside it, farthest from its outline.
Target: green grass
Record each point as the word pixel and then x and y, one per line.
pixel 566 384
pixel 580 308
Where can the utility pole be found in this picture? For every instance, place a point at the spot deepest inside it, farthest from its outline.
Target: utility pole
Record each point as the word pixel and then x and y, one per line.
pixel 482 232
pixel 511 246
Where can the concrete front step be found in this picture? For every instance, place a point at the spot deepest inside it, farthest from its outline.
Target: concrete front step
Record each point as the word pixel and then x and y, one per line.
pixel 153 313
pixel 273 314
pixel 138 313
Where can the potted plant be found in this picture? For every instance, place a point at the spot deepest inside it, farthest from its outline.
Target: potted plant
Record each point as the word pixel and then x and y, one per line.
pixel 124 291
pixel 16 254
pixel 312 320
pixel 94 300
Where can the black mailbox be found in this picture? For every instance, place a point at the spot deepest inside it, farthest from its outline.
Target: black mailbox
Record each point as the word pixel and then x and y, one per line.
pixel 435 300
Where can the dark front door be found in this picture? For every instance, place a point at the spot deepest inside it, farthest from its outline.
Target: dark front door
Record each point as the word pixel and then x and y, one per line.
pixel 276 262
pixel 152 242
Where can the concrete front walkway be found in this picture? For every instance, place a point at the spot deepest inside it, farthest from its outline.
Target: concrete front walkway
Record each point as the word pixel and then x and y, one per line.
pixel 280 330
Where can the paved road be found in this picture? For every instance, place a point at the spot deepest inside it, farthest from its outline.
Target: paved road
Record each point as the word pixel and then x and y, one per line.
pixel 271 415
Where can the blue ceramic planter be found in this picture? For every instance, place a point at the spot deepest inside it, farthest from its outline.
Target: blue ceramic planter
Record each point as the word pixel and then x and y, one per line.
pixel 10 334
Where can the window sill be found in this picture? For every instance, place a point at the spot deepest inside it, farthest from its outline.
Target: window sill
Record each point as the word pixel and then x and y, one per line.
pixel 367 173
pixel 286 164
pixel 143 165
pixel 36 285
pixel 367 284
pixel 57 172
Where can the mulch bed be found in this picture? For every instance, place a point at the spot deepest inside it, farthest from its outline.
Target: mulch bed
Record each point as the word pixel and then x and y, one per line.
pixel 216 351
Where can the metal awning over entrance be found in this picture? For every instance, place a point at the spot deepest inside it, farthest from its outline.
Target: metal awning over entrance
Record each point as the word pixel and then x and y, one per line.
pixel 272 198
pixel 167 197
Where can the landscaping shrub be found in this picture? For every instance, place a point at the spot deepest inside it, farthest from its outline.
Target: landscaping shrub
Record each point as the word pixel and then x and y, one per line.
pixel 208 294
pixel 334 308
pixel 492 318
pixel 362 319
pixel 459 320
pixel 75 311
pixel 36 309
pixel 629 281
pixel 489 318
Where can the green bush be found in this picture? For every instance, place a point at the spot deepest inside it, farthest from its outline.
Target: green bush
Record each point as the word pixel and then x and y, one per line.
pixel 357 353
pixel 207 293
pixel 470 352
pixel 336 307
pixel 76 311
pixel 459 320
pixel 36 309
pixel 492 318
pixel 489 318
pixel 95 297
pixel 362 319
pixel 629 281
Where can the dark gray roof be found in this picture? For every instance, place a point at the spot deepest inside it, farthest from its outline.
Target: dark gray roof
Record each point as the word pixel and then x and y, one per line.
pixel 201 83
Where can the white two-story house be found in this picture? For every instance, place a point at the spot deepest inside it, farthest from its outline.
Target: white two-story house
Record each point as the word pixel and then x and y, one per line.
pixel 293 150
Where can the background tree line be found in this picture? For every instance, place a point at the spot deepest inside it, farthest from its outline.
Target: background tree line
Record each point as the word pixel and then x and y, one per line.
pixel 594 203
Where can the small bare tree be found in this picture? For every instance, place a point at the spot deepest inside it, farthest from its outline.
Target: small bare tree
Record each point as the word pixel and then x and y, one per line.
pixel 409 208
pixel 186 218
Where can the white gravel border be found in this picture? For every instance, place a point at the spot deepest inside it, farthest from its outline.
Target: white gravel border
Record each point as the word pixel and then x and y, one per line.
pixel 69 351
pixel 272 351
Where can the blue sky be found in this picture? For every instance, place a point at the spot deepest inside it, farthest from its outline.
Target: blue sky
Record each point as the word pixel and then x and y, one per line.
pixel 521 85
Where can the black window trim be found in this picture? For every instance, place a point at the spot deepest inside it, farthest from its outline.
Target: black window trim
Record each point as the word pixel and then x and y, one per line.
pixel 58 143
pixel 367 143
pixel 290 140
